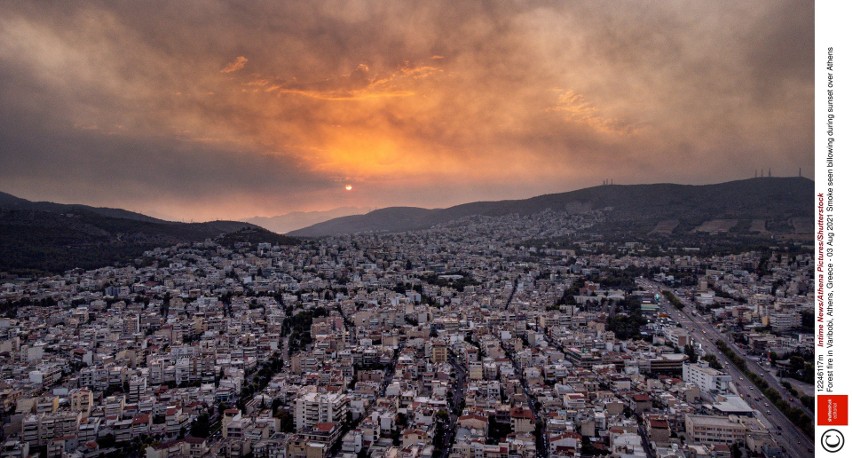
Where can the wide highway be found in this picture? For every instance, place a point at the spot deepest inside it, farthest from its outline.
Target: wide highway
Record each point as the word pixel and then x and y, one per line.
pixel 783 431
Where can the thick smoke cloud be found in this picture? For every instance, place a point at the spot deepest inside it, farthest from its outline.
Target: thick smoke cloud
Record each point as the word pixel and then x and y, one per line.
pixel 198 110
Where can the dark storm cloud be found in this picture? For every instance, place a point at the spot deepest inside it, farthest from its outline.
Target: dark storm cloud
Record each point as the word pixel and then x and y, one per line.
pixel 117 102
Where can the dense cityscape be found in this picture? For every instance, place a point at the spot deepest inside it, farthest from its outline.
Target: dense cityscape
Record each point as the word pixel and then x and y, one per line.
pixel 473 339
pixel 419 229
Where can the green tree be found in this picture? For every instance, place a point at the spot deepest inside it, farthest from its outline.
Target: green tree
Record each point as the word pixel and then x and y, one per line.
pixel 106 441
pixel 288 423
pixel 201 426
pixel 690 351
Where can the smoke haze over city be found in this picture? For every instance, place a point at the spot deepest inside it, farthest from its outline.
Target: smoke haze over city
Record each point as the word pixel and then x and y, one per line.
pixel 206 110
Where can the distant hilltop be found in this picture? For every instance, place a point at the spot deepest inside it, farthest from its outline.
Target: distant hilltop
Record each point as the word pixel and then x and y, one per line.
pixel 296 220
pixel 768 206
pixel 42 237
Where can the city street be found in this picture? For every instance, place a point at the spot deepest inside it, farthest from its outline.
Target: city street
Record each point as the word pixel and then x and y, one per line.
pixel 783 431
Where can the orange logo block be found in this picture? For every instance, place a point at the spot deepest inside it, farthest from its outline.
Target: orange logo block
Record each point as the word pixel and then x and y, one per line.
pixel 833 410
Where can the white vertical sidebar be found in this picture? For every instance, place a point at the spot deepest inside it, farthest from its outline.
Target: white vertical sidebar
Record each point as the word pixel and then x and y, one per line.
pixel 833 206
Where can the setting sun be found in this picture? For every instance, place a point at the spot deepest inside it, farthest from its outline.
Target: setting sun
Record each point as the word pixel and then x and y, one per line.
pixel 466 102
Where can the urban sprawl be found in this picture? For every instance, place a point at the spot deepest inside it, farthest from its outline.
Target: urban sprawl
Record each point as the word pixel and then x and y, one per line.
pixel 467 340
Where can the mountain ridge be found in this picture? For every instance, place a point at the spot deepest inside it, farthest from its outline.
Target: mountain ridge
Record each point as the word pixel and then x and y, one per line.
pixel 291 221
pixel 768 198
pixel 10 201
pixel 50 237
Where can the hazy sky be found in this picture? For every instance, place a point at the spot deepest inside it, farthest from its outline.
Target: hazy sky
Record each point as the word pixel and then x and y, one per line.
pixel 208 109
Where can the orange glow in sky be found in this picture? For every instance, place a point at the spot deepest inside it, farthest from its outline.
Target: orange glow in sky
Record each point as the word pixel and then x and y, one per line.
pixel 258 109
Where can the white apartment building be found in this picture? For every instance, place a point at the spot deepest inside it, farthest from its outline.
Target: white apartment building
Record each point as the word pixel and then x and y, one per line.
pixel 314 408
pixel 705 377
pixel 714 430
